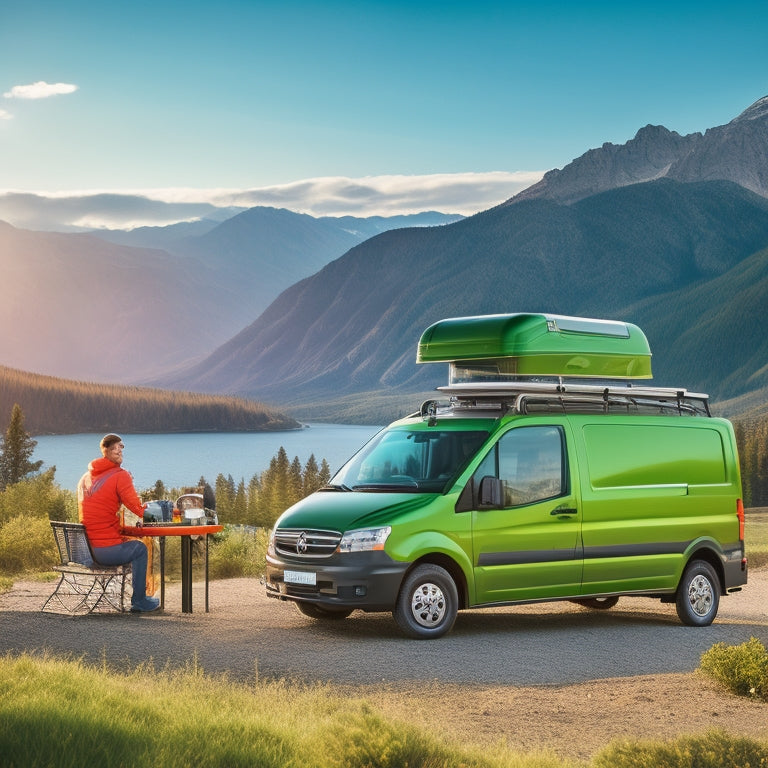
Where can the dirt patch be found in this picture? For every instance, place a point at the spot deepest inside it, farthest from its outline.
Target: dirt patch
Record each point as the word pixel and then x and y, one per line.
pixel 574 721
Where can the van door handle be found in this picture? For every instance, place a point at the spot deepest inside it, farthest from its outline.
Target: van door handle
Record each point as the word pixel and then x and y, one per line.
pixel 564 511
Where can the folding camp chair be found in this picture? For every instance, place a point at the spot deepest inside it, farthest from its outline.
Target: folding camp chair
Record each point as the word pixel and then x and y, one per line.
pixel 85 586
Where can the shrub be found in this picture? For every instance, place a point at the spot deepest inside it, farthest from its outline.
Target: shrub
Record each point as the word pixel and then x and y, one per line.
pixel 369 740
pixel 238 552
pixel 27 544
pixel 715 749
pixel 742 669
pixel 38 497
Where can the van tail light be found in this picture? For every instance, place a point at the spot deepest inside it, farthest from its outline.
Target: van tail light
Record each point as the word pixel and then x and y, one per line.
pixel 740 515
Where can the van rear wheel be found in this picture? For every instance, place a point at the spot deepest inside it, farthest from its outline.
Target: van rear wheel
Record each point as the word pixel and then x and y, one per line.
pixel 428 602
pixel 698 595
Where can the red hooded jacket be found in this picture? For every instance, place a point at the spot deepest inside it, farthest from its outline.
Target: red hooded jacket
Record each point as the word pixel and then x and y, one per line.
pixel 100 493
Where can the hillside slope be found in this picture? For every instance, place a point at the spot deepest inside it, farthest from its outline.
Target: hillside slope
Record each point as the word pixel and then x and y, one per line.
pixel 79 307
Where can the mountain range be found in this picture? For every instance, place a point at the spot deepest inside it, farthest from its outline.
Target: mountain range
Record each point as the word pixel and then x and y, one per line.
pixel 323 316
pixel 666 231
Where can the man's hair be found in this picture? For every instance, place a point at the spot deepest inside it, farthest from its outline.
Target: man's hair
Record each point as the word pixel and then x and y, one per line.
pixel 109 440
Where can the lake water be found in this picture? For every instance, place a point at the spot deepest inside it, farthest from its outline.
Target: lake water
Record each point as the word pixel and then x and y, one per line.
pixel 181 459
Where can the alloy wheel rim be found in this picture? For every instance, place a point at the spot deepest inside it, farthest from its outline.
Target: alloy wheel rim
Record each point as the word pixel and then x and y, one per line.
pixel 700 595
pixel 428 605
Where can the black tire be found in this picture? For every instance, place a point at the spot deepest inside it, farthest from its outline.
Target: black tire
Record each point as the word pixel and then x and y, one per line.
pixel 598 603
pixel 428 603
pixel 321 613
pixel 698 594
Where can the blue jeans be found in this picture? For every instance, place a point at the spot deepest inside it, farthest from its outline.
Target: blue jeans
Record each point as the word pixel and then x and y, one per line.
pixel 133 552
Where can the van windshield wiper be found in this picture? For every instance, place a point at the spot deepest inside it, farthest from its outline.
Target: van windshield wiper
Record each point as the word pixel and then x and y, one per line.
pixel 413 485
pixel 335 487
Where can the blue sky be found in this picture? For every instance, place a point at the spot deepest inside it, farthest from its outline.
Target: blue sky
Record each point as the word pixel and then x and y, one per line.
pixel 476 98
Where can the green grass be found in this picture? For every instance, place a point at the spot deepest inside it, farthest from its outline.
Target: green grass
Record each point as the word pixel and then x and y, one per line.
pixel 756 537
pixel 64 714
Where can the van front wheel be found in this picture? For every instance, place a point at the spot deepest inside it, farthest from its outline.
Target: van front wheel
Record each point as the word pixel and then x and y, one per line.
pixel 698 595
pixel 428 602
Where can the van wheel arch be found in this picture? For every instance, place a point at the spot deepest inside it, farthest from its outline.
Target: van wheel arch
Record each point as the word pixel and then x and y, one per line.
pixel 713 558
pixel 453 568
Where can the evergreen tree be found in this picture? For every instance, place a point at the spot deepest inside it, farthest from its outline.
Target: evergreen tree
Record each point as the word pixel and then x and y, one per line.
pixel 311 478
pixel 254 499
pixel 295 485
pixel 325 474
pixel 16 451
pixel 225 497
pixel 274 488
pixel 209 495
pixel 239 506
pixel 760 480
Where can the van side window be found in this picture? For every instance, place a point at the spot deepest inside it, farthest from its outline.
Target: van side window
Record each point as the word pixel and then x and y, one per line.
pixel 531 465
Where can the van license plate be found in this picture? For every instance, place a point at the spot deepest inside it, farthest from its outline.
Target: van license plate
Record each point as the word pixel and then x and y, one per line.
pixel 300 577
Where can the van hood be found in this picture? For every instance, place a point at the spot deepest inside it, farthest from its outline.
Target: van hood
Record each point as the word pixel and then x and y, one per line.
pixel 348 510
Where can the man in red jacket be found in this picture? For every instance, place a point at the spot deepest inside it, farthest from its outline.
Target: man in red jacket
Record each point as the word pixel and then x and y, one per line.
pixel 100 493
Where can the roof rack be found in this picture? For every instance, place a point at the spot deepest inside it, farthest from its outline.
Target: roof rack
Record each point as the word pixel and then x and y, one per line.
pixel 568 397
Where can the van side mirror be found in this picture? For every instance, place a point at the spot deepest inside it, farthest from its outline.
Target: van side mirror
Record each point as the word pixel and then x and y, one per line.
pixel 491 493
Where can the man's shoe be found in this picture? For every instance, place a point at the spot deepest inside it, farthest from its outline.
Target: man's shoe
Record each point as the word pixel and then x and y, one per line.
pixel 147 605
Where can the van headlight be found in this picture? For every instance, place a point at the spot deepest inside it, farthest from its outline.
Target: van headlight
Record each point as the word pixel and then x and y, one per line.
pixel 364 539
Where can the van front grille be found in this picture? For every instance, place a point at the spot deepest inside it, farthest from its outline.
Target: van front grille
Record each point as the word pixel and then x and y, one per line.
pixel 300 542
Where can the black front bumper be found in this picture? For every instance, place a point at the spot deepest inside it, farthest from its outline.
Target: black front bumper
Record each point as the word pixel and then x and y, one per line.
pixel 369 581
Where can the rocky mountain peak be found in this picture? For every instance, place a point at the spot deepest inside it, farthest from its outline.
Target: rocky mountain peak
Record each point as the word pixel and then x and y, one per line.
pixel 737 151
pixel 758 111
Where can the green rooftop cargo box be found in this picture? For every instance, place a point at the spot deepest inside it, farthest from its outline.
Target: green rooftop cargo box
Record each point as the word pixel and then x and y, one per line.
pixel 498 347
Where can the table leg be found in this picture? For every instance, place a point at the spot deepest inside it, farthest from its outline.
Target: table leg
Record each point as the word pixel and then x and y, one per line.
pixel 162 571
pixel 206 572
pixel 186 574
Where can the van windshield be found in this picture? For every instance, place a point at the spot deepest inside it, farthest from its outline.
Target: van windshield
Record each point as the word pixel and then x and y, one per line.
pixel 409 461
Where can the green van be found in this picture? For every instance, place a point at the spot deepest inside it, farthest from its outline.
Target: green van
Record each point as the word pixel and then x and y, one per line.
pixel 543 471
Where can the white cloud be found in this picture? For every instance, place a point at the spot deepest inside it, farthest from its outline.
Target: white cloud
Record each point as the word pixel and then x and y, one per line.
pixel 5 115
pixel 463 193
pixel 39 90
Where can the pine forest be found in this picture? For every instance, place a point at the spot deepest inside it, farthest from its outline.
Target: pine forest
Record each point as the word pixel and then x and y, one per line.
pixel 61 406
